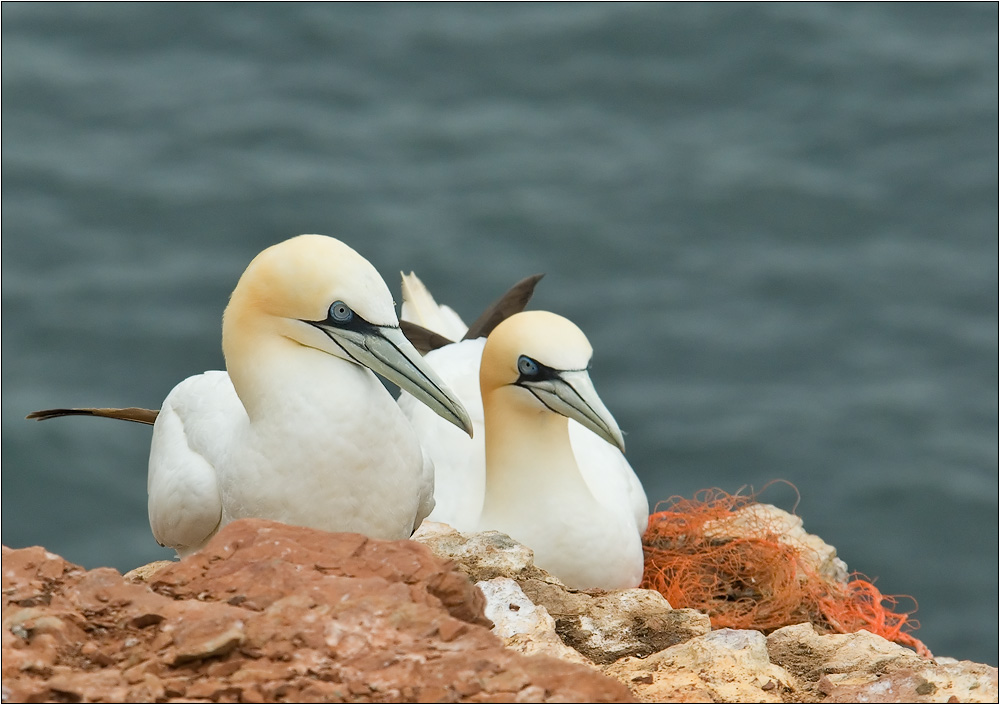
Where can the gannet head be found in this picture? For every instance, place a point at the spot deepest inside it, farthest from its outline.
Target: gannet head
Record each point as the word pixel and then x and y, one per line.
pixel 546 356
pixel 317 292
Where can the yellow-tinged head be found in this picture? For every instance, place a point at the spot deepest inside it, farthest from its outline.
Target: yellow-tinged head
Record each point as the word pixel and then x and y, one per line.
pixel 315 291
pixel 299 278
pixel 546 356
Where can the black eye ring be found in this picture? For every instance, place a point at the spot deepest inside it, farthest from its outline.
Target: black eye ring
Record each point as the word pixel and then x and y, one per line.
pixel 526 366
pixel 341 312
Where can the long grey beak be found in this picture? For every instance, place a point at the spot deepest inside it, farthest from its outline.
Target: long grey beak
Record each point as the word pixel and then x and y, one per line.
pixel 386 351
pixel 572 394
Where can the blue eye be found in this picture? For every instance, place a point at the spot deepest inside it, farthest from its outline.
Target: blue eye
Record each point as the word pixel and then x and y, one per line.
pixel 526 366
pixel 341 312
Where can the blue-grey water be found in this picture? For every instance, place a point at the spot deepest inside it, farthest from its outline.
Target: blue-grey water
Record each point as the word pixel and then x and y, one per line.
pixel 777 224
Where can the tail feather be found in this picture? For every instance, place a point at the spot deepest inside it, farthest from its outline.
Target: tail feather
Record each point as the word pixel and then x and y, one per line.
pixel 146 416
pixel 420 307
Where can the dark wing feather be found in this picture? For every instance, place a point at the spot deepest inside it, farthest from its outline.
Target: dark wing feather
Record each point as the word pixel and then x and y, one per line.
pixel 423 339
pixel 514 301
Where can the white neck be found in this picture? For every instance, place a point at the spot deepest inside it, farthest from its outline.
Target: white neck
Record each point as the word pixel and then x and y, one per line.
pixel 278 378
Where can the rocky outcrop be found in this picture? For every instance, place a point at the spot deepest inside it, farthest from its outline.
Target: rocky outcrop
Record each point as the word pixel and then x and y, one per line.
pixel 482 556
pixel 272 613
pixel 607 626
pixel 269 613
pixel 523 625
pixel 603 626
pixel 668 655
pixel 725 666
pixel 862 667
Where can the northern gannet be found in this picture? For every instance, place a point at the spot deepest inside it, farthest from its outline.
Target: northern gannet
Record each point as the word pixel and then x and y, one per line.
pixel 545 464
pixel 298 429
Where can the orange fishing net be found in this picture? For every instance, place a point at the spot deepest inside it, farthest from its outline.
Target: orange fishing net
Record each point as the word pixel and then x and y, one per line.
pixel 704 553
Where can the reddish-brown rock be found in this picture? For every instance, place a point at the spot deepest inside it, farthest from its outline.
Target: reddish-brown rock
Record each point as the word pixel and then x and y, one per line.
pixel 269 613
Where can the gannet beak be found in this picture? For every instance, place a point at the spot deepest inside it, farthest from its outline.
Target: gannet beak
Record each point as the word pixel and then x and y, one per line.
pixel 572 394
pixel 386 351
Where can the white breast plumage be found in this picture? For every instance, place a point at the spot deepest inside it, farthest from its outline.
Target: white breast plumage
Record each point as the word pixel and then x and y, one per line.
pixel 545 464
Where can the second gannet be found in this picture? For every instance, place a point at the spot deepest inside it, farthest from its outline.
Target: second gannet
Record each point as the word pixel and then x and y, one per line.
pixel 298 429
pixel 546 462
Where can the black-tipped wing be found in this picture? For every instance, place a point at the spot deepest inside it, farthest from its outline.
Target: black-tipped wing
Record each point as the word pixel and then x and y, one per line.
pixel 514 301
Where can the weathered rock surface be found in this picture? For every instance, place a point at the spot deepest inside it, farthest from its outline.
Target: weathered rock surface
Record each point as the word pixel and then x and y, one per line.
pixel 862 667
pixel 959 682
pixel 663 654
pixel 272 613
pixel 143 573
pixel 269 613
pixel 727 665
pixel 481 556
pixel 523 625
pixel 603 626
pixel 795 664
pixel 607 626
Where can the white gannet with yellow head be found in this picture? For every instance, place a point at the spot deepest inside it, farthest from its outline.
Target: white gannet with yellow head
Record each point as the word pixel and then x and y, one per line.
pixel 546 464
pixel 299 430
